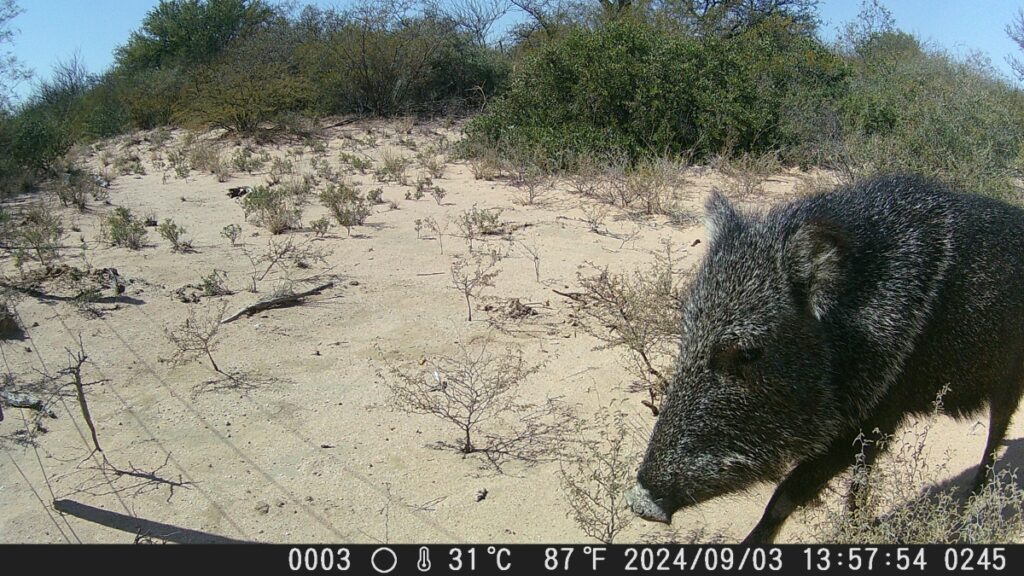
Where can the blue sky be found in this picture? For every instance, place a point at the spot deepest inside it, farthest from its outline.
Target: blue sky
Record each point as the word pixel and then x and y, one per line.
pixel 54 30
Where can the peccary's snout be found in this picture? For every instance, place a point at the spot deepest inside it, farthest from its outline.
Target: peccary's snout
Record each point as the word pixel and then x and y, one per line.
pixel 645 505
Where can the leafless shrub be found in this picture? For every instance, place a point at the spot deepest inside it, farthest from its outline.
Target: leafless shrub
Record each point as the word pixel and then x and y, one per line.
pixel 470 276
pixel 477 392
pixel 748 171
pixel 638 312
pixel 197 336
pixel 594 214
pixel 596 475
pixel 534 253
pixel 283 257
pixel 439 231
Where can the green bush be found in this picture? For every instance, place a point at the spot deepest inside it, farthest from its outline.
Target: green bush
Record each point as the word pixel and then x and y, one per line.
pixel 272 208
pixel 636 88
pixel 910 109
pixel 121 228
pixel 252 83
pixel 383 59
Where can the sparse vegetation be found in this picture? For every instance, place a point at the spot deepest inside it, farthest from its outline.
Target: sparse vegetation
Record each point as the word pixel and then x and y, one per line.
pixel 273 208
pixel 638 313
pixel 477 222
pixel 470 276
pixel 198 336
pixel 346 205
pixel 393 167
pixel 121 228
pixel 245 160
pixel 476 391
pixel 175 235
pixel 901 498
pixel 232 232
pixel 596 476
pixel 38 238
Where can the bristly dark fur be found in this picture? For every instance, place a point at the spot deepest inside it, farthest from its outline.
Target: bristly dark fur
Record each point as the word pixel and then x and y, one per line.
pixel 835 314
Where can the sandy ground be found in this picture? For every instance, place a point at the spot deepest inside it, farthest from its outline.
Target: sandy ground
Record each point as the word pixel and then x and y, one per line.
pixel 307 448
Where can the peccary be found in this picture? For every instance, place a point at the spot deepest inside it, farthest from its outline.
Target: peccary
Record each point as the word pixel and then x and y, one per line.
pixel 834 314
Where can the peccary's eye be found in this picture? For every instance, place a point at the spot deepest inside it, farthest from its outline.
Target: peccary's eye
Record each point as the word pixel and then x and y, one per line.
pixel 749 355
pixel 735 358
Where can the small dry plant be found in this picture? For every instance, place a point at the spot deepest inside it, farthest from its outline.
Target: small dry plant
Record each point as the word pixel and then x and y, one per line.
pixel 639 313
pixel 594 214
pixel 484 163
pixel 433 164
pixel 439 230
pixel 748 172
pixel 75 186
pixel 471 275
pixel 534 252
pixel 38 237
pixel 596 475
pixel 347 206
pixel 232 232
pixel 477 391
pixel 197 336
pixel 476 222
pixel 283 257
pixel 900 498
pixel 245 160
pixel 393 167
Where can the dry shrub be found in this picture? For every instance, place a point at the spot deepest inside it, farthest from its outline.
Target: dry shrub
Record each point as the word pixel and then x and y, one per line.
pixel 38 237
pixel 748 171
pixel 596 475
pixel 594 214
pixel 273 208
pixel 477 392
pixel 639 313
pixel 122 228
pixel 197 336
pixel 471 275
pixel 393 167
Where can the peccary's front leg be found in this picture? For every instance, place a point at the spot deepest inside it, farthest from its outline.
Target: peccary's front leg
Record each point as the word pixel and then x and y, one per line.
pixel 799 488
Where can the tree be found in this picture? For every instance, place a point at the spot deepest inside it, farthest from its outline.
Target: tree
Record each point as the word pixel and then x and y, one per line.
pixel 191 32
pixel 1015 30
pixel 727 18
pixel 475 17
pixel 11 70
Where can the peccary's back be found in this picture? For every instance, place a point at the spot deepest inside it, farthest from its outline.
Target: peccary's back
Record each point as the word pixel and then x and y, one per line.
pixel 974 339
pixel 935 297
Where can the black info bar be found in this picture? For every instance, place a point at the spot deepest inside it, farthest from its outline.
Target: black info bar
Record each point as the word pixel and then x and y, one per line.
pixel 531 559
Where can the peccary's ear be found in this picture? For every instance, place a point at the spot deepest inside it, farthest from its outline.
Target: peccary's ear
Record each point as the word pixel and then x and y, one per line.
pixel 815 258
pixel 719 215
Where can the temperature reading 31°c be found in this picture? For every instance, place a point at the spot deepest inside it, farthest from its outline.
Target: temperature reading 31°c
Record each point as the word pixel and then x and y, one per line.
pixel 466 558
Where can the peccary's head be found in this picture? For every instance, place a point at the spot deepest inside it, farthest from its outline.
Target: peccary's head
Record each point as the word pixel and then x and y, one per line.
pixel 751 390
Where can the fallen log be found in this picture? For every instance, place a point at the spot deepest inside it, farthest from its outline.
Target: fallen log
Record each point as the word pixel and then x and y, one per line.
pixel 275 302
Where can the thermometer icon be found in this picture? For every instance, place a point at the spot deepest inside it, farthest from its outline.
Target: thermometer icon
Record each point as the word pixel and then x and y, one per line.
pixel 423 564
